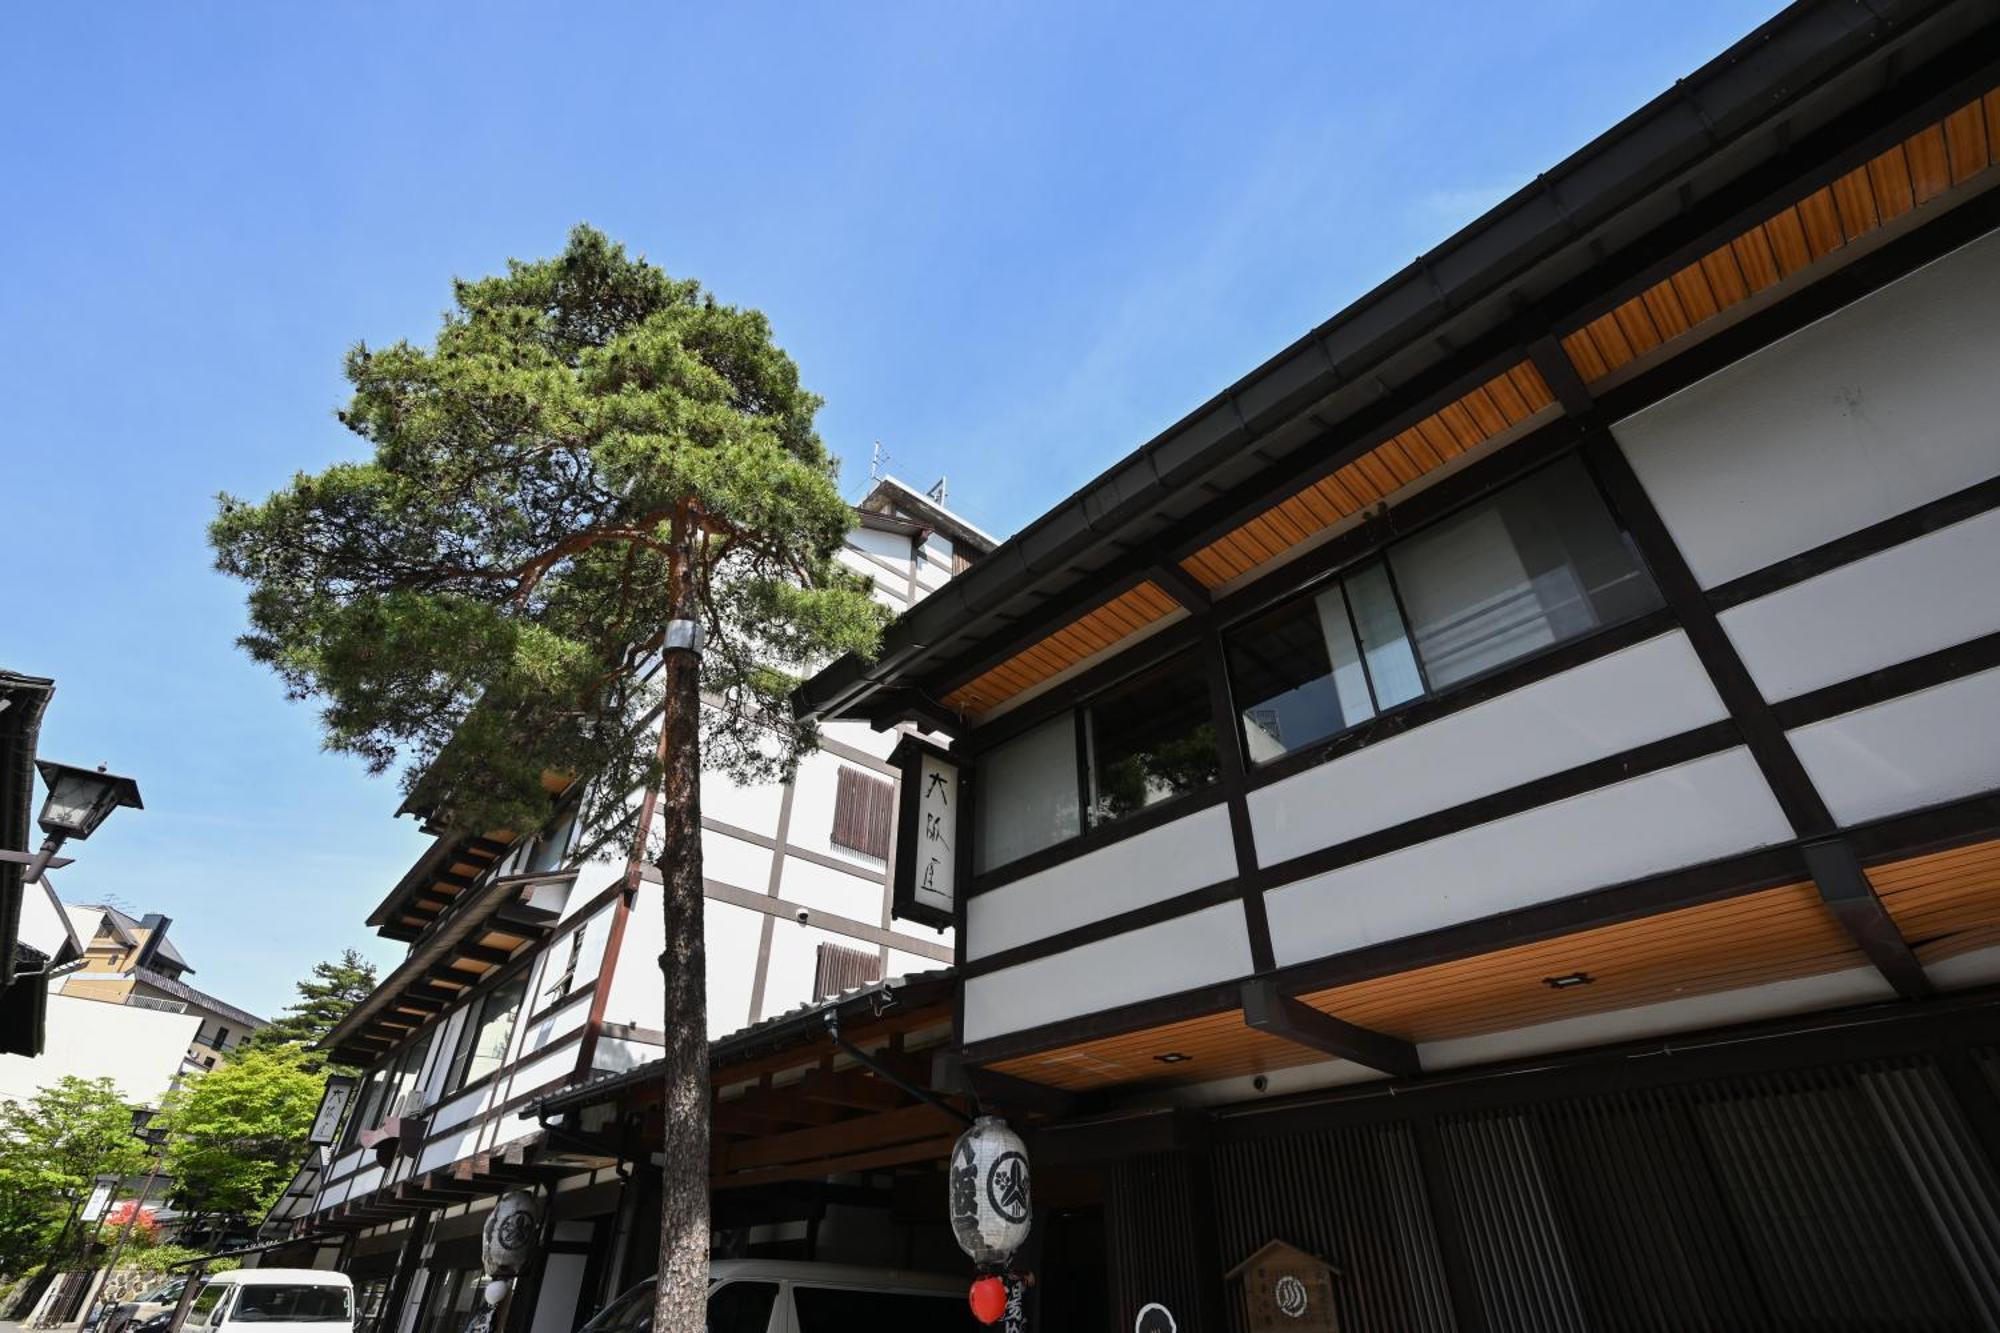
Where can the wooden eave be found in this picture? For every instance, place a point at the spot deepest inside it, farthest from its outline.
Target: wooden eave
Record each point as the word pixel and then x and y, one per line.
pixel 451 866
pixel 1784 253
pixel 486 925
pixel 1945 902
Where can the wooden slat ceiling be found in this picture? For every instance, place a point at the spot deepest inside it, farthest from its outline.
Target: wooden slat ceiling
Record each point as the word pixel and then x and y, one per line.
pixel 1916 172
pixel 1771 935
pixel 1945 904
pixel 1501 403
pixel 1115 621
pixel 1922 170
pixel 424 903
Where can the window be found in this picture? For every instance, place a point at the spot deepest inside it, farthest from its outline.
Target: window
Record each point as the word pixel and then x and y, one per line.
pixel 863 806
pixel 1315 667
pixel 550 848
pixel 1535 565
pixel 630 1313
pixel 1150 738
pixel 1027 794
pixel 221 1038
pixel 484 1045
pixel 839 968
pixel 571 952
pixel 736 1307
pixel 409 1073
pixel 1539 563
pixel 205 1302
pixel 293 1303
pixel 840 1310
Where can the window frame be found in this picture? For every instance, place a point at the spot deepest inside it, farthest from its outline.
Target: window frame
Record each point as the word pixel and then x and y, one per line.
pixel 455 1081
pixel 1206 631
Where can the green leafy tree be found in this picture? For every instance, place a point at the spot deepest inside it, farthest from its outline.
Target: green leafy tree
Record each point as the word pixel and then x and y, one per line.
pixel 52 1148
pixel 235 1133
pixel 325 996
pixel 593 460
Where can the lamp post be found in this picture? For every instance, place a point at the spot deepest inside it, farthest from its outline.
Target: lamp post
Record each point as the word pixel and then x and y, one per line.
pixel 78 800
pixel 141 1120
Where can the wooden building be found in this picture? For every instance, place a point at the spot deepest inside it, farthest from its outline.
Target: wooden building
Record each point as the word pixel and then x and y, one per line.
pixel 1505 798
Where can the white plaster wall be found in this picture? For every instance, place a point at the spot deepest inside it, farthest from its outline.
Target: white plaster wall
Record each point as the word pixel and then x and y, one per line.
pixel 731 935
pixel 1175 858
pixel 788 980
pixel 1874 410
pixel 139 1050
pixel 635 994
pixel 824 889
pixel 1933 592
pixel 1903 754
pixel 734 861
pixel 1693 812
pixel 1644 693
pixel 1193 950
pixel 862 737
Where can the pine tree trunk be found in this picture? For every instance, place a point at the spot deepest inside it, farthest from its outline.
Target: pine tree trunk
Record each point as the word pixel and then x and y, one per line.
pixel 682 1292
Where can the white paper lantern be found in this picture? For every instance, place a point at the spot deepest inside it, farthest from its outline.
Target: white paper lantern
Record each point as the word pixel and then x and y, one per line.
pixel 990 1208
pixel 512 1230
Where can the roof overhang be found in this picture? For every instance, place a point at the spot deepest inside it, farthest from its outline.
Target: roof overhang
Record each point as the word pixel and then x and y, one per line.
pixel 1648 195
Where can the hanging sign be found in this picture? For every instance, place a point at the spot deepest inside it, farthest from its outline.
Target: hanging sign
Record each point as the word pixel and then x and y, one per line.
pixel 100 1199
pixel 332 1106
pixel 928 824
pixel 1287 1290
pixel 508 1242
pixel 990 1210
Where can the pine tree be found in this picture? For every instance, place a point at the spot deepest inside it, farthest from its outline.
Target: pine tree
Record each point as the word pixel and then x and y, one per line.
pixel 596 539
pixel 325 995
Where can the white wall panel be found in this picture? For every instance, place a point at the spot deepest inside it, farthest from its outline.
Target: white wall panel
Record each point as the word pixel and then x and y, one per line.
pixel 823 889
pixel 1938 590
pixel 1193 950
pixel 1174 858
pixel 730 934
pixel 742 864
pixel 1876 409
pixel 1679 816
pixel 636 997
pixel 1639 694
pixel 621 1053
pixel 1935 745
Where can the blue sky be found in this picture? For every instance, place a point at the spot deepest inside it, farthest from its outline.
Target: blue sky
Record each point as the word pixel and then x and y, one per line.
pixel 1011 241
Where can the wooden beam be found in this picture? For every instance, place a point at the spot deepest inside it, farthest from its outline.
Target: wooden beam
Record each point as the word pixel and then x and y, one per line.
pixel 479 953
pixel 921 1150
pixel 990 1087
pixel 1268 1010
pixel 856 1089
pixel 1180 585
pixel 861 1134
pixel 1844 888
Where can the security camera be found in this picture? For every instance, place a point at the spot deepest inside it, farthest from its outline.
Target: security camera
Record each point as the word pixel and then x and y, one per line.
pixel 803 915
pixel 1260 1082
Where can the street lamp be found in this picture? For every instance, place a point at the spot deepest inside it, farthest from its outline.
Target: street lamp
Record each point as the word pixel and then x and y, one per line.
pixel 79 799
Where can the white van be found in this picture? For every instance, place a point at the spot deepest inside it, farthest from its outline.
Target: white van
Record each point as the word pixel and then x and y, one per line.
pixel 783 1296
pixel 273 1300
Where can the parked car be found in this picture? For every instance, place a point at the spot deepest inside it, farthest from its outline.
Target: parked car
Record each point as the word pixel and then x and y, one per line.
pixel 126 1315
pixel 787 1296
pixel 275 1300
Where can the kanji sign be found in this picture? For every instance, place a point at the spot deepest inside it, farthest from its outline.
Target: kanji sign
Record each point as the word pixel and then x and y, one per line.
pixel 332 1105
pixel 928 830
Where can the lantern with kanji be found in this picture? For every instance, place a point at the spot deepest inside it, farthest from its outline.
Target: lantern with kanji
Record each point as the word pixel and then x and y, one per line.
pixel 989 1192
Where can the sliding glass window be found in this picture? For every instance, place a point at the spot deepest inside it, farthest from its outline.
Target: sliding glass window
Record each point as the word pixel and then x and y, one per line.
pixel 482 1046
pixel 1534 566
pixel 1151 738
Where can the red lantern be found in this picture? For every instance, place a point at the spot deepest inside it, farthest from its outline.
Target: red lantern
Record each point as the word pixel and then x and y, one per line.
pixel 989 1300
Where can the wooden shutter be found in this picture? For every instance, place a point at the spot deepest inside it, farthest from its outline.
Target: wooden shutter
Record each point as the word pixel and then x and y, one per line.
pixel 864 808
pixel 842 969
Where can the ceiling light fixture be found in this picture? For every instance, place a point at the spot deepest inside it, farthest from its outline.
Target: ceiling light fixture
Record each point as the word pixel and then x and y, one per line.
pixel 1172 1057
pixel 1568 979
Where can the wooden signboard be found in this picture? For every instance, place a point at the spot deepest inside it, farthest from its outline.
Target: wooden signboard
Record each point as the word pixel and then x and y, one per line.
pixel 1284 1288
pixel 930 818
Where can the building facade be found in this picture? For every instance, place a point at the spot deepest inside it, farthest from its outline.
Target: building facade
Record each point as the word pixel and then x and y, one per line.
pixel 130 961
pixel 1503 800
pixel 532 969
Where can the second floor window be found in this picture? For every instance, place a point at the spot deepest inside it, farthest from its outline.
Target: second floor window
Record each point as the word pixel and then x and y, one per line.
pixel 482 1046
pixel 1530 567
